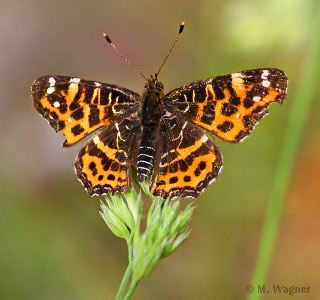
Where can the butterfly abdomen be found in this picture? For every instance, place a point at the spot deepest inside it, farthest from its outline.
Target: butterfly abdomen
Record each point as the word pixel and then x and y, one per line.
pixel 146 153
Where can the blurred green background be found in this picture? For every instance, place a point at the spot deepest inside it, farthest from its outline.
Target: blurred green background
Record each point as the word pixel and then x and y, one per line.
pixel 54 245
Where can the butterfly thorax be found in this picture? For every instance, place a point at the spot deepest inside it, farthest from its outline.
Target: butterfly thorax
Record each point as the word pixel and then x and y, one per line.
pixel 150 118
pixel 151 103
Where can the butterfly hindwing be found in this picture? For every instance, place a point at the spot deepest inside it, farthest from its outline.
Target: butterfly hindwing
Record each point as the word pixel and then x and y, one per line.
pixel 102 164
pixel 230 105
pixel 79 107
pixel 189 162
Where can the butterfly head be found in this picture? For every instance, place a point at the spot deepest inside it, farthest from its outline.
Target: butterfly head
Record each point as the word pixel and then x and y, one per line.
pixel 154 85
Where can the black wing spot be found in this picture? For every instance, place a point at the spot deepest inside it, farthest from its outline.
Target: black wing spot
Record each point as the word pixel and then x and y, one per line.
pixel 202 165
pixel 187 178
pixel 183 165
pixel 94 116
pixel 111 177
pixel 235 100
pixel 76 130
pixel 228 109
pixel 173 179
pixel 225 126
pixel 78 114
pixel 248 103
pixel 75 104
pixel 189 160
pixel 218 91
pixel 92 166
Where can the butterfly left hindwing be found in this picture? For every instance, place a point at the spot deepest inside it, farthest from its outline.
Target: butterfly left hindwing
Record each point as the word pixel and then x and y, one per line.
pixel 102 164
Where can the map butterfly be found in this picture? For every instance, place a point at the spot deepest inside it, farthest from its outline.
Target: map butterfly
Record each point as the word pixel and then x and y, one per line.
pixel 159 133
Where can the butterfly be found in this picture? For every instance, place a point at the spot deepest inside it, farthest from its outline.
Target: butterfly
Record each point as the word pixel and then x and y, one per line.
pixel 164 135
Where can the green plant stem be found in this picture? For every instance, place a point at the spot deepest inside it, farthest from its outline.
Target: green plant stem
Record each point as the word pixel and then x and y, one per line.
pixel 133 285
pixel 305 93
pixel 127 274
pixel 131 290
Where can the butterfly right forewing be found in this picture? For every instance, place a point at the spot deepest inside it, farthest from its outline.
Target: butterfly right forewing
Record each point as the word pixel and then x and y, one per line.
pixel 229 106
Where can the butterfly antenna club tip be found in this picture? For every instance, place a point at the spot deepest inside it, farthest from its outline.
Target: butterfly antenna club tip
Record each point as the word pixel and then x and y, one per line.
pixel 182 27
pixel 174 43
pixel 107 38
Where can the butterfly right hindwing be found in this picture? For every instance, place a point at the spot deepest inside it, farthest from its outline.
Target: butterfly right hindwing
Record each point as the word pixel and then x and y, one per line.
pixel 189 161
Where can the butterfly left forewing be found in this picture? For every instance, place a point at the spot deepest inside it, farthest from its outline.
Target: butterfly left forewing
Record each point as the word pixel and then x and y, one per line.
pixel 78 107
pixel 230 105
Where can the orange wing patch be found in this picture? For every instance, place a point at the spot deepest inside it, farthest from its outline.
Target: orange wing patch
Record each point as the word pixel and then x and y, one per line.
pixel 231 105
pixel 79 107
pixel 190 160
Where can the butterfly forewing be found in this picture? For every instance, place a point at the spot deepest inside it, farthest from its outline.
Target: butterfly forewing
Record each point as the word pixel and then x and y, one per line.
pixel 230 105
pixel 79 107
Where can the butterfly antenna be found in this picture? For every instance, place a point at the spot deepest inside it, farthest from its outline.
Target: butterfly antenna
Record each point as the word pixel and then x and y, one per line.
pixel 123 57
pixel 174 43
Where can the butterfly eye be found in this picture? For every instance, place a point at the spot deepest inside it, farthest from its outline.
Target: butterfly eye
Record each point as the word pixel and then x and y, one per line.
pixel 159 86
pixel 146 86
